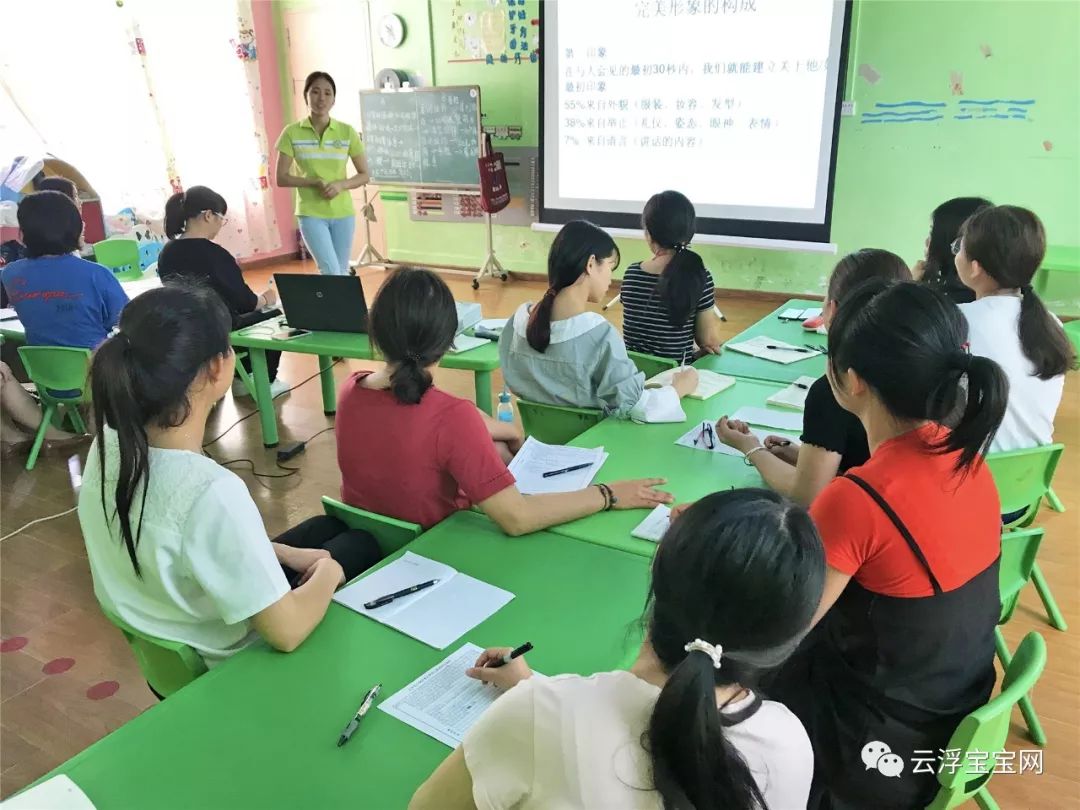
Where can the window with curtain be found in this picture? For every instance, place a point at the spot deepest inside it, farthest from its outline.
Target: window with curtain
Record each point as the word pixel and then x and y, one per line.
pixel 144 98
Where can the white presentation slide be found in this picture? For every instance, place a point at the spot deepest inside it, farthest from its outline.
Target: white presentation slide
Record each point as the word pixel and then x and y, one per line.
pixel 731 102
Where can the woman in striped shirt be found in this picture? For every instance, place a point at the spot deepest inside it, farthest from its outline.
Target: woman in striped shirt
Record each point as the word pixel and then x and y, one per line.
pixel 668 300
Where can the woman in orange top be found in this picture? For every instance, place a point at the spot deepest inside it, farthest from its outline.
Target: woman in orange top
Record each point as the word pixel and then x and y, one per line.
pixel 905 646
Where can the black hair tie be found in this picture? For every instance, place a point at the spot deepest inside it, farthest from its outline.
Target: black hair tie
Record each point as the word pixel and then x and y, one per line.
pixel 551 292
pixel 1026 289
pixel 962 360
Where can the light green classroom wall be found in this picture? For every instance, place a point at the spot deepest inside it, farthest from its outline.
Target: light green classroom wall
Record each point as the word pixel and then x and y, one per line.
pixel 888 177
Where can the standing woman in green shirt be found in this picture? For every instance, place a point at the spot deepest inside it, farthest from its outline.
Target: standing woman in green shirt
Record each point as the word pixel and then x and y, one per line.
pixel 320 147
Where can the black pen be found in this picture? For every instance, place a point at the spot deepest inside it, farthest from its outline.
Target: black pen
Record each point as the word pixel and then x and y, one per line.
pixel 790 349
pixel 711 437
pixel 510 656
pixel 803 386
pixel 354 724
pixel 390 597
pixel 575 468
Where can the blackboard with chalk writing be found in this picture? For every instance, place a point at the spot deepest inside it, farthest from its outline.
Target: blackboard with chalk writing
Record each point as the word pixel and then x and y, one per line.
pixel 422 137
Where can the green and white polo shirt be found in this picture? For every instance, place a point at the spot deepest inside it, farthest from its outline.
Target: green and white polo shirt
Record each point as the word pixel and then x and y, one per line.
pixel 326 158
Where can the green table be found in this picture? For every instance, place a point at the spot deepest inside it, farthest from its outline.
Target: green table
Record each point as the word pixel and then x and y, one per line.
pixel 258 339
pixel 743 365
pixel 643 451
pixel 1058 259
pixel 260 731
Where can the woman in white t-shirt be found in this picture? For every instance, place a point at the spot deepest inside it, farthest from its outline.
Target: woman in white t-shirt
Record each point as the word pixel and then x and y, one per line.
pixel 735 584
pixel 997 254
pixel 176 545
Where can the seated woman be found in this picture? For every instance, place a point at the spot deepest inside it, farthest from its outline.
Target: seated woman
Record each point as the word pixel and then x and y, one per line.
pixel 735 584
pixel 669 300
pixel 999 251
pixel 20 419
pixel 905 646
pixel 60 299
pixel 558 353
pixel 833 440
pixel 192 219
pixel 937 267
pixel 411 451
pixel 176 545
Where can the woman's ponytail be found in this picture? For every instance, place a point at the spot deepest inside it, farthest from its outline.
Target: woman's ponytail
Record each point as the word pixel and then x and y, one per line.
pixel 175 216
pixel 185 205
pixel 412 323
pixel 1042 339
pixel 984 406
pixel 117 404
pixel 575 244
pixel 694 764
pixel 139 378
pixel 409 380
pixel 1009 244
pixel 538 330
pixel 735 584
pixel 681 284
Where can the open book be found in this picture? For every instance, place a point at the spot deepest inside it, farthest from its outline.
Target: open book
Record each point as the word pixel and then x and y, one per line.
pixel 709 382
pixel 437 615
pixel 794 396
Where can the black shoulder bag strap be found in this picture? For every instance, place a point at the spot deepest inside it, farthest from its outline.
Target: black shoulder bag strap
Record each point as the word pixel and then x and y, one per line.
pixel 900 527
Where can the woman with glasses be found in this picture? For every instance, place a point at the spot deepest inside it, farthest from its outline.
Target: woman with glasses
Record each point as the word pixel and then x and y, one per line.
pixel 193 218
pixel 937 267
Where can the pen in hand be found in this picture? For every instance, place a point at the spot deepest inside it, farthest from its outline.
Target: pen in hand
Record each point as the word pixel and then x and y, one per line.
pixel 369 698
pixel 510 656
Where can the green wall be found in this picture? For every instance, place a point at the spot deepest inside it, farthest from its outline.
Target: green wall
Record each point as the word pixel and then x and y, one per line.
pixel 888 178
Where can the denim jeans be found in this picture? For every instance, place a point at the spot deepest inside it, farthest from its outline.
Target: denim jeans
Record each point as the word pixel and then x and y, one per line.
pixel 329 241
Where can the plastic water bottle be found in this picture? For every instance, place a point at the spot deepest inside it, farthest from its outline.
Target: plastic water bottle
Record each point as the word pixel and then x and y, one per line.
pixel 505 411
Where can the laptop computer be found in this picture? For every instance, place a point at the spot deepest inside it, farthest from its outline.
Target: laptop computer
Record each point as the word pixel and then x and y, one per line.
pixel 322 303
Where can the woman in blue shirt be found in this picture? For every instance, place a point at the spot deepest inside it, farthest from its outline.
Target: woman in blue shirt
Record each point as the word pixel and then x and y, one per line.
pixel 62 300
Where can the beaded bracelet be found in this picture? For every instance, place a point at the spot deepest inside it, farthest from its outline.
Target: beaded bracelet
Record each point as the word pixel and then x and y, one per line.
pixel 609 497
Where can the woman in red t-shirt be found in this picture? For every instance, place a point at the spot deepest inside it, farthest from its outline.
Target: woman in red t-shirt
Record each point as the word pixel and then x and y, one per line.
pixel 410 451
pixel 905 644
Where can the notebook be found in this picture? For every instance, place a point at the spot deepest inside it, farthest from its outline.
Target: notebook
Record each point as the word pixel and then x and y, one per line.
pixel 535 458
pixel 709 382
pixel 57 793
pixel 799 314
pixel 780 352
pixel 438 615
pixel 654 526
pixel 794 396
pixel 465 343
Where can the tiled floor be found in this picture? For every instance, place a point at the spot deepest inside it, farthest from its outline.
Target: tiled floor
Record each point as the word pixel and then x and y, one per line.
pixel 67 678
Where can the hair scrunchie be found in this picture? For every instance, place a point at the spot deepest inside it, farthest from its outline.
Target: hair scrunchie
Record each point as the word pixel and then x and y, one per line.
pixel 714 651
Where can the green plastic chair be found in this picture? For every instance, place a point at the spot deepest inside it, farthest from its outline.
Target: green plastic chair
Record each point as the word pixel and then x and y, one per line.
pixel 1023 479
pixel 1018 552
pixel 121 256
pixel 391 533
pixel 986 729
pixel 556 424
pixel 56 368
pixel 650 365
pixel 167 665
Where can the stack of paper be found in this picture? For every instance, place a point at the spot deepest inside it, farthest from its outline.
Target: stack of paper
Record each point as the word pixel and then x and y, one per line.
pixel 444 702
pixel 437 615
pixel 778 351
pixel 655 525
pixel 781 420
pixel 536 458
pixel 799 314
pixel 709 382
pixel 697 438
pixel 794 396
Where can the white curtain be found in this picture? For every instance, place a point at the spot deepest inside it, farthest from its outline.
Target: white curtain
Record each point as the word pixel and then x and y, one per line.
pixel 144 98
